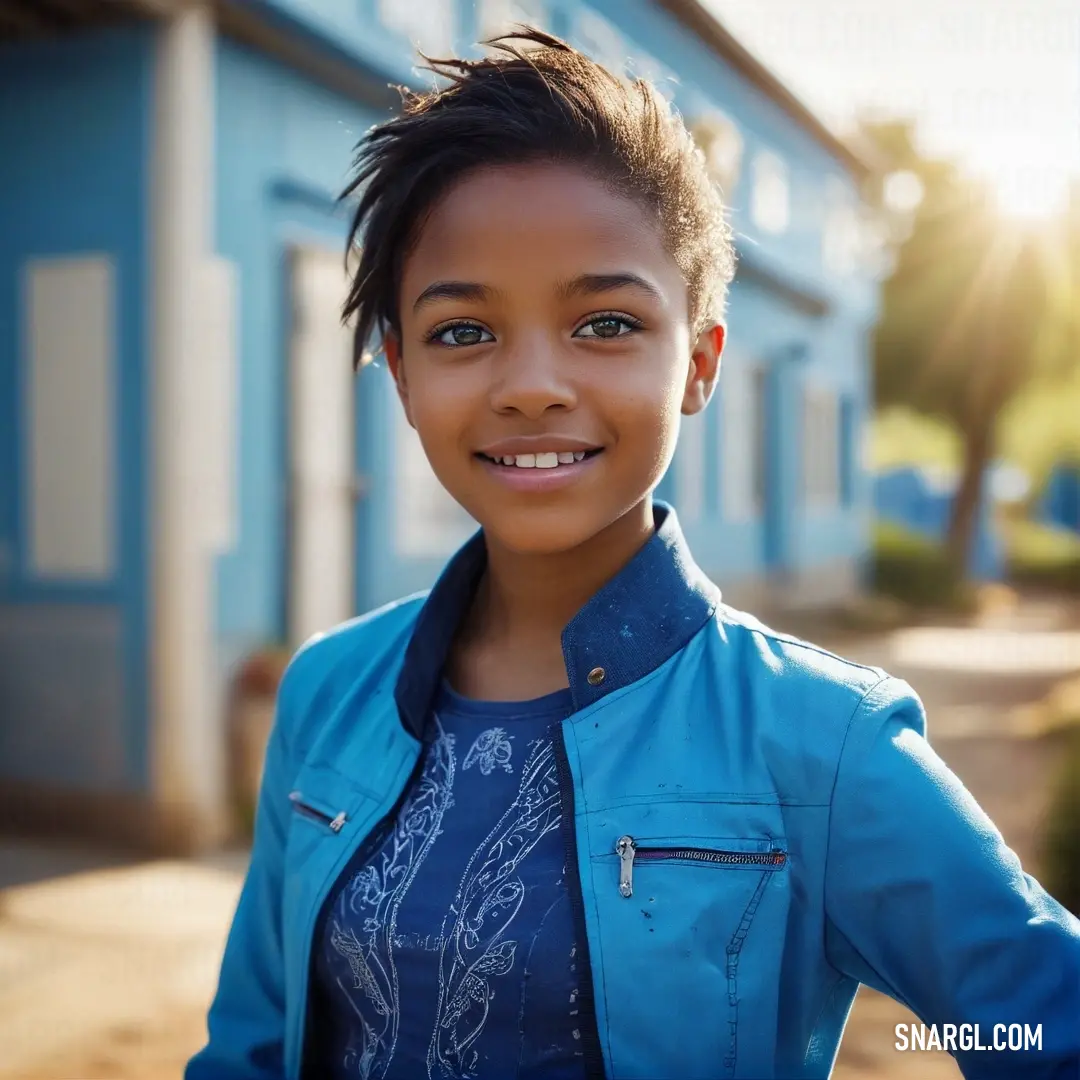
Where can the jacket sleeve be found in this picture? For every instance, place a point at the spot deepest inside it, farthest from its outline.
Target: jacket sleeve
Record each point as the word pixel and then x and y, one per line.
pixel 246 1022
pixel 926 903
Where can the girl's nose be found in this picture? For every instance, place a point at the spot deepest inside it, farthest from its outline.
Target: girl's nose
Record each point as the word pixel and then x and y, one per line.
pixel 530 379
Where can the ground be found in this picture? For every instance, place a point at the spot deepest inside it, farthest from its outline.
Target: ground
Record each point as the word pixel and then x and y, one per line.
pixel 107 965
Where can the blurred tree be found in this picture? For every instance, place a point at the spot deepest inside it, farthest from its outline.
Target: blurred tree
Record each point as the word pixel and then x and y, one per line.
pixel 976 306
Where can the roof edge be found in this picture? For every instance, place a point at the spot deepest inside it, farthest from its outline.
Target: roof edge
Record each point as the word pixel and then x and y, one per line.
pixel 694 16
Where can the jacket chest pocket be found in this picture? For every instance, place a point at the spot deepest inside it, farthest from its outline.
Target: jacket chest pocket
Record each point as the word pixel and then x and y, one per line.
pixel 691 930
pixel 645 853
pixel 326 810
pixel 699 898
pixel 322 801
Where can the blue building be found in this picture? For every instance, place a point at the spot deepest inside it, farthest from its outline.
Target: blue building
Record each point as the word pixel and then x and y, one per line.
pixel 1060 502
pixel 189 471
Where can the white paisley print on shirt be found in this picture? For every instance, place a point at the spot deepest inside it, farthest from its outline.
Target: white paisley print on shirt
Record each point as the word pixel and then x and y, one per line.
pixel 490 751
pixel 374 895
pixel 477 946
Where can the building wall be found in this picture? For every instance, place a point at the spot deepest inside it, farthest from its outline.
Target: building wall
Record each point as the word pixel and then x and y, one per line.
pixel 79 113
pixel 74 121
pixel 283 148
pixel 77 117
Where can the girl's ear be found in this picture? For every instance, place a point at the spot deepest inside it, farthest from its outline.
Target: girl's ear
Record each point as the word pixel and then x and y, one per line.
pixel 704 368
pixel 392 352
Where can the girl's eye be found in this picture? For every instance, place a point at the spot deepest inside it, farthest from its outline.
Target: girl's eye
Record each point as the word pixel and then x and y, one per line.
pixel 461 335
pixel 608 326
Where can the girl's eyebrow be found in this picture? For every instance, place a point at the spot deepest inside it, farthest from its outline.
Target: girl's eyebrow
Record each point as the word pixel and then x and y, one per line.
pixel 583 285
pixel 592 284
pixel 452 290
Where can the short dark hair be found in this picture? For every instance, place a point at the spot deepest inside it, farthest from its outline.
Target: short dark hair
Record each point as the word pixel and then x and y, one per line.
pixel 537 101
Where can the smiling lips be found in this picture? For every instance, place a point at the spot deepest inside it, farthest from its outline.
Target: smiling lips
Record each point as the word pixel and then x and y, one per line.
pixel 538 463
pixel 538 452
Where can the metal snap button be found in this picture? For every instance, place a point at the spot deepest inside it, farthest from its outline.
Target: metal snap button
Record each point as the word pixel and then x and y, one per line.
pixel 596 676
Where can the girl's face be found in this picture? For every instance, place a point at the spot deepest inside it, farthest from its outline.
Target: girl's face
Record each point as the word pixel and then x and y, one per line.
pixel 545 353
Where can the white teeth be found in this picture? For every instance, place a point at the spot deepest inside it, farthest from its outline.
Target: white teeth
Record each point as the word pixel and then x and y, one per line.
pixel 547 459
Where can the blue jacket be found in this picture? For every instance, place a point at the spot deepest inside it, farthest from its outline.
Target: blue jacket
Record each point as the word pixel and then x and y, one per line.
pixel 758 827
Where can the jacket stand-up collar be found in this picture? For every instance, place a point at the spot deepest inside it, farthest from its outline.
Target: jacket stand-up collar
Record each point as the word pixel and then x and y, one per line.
pixel 645 614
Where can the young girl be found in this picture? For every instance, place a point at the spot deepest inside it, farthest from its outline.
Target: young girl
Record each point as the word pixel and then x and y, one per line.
pixel 569 816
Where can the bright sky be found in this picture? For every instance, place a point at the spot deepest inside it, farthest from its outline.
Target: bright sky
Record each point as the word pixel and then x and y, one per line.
pixel 993 83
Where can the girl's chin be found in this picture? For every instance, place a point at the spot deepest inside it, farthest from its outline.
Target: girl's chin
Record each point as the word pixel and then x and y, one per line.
pixel 539 543
pixel 561 526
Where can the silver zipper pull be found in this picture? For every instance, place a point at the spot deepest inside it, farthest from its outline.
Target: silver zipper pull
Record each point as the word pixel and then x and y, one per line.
pixel 338 823
pixel 625 849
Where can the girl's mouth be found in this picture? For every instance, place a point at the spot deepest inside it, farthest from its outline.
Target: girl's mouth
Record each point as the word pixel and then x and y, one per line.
pixel 542 472
pixel 548 459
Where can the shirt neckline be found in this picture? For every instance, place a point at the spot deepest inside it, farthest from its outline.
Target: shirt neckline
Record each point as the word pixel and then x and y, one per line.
pixel 448 700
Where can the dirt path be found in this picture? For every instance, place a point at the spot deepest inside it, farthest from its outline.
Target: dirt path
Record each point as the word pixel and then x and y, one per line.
pixel 106 966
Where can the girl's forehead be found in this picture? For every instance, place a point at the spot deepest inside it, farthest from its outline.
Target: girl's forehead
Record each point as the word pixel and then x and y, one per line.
pixel 537 177
pixel 532 215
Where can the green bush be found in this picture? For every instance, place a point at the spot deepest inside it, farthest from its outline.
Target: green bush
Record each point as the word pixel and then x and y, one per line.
pixel 1061 846
pixel 1042 555
pixel 914 569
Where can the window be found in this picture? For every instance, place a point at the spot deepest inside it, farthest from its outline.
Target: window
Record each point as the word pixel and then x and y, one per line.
pixel 599 40
pixel 427 24
pixel 722 145
pixel 821 448
pixel 69 317
pixel 840 237
pixel 759 438
pixel 498 16
pixel 428 522
pixel 690 468
pixel 322 428
pixel 770 198
pixel 850 464
pixel 219 409
pixel 744 441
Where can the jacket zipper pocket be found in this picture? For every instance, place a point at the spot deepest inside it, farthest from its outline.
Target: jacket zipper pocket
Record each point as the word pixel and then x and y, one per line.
pixel 627 849
pixel 334 822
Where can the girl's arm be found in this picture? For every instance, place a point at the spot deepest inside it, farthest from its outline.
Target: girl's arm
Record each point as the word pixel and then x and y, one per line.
pixel 926 903
pixel 247 1019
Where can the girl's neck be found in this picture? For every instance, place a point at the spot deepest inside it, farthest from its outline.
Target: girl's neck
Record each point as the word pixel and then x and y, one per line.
pixel 528 599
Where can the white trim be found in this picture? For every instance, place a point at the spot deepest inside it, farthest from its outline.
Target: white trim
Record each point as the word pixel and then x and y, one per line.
pixel 187 745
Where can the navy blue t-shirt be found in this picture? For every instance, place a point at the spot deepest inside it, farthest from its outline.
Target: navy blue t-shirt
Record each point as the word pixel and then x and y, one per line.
pixel 448 950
